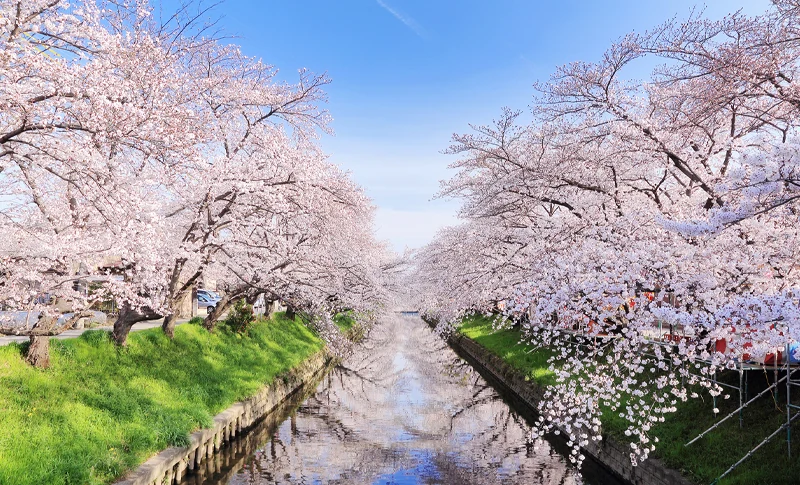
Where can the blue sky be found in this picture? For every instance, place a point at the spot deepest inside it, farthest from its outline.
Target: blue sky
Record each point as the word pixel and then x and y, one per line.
pixel 407 74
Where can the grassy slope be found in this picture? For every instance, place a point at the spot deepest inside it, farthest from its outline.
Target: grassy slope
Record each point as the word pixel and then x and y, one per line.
pixel 506 344
pixel 99 411
pixel 704 460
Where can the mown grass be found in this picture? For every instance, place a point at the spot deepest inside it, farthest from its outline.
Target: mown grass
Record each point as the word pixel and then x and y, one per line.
pixel 100 411
pixel 703 461
pixel 507 344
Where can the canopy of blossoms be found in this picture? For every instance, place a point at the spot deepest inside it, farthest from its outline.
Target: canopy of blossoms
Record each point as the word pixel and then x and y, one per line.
pixel 143 156
pixel 647 231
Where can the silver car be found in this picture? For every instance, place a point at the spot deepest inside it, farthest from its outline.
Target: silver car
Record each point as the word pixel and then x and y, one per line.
pixel 205 300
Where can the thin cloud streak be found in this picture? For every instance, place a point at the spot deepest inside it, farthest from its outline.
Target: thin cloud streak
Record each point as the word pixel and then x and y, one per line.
pixel 406 20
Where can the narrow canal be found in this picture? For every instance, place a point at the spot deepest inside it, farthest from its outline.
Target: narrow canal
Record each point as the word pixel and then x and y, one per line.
pixel 404 409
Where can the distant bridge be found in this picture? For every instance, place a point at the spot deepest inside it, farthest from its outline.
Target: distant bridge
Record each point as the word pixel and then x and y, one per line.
pixel 407 312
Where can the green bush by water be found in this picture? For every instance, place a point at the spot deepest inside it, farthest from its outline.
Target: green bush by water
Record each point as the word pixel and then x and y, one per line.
pixel 100 411
pixel 352 329
pixel 345 321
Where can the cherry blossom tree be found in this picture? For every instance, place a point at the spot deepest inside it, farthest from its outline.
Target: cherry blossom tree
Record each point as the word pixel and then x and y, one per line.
pixel 86 110
pixel 645 231
pixel 247 162
pixel 142 156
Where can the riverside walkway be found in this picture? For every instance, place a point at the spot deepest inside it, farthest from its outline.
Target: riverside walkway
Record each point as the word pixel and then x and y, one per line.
pixel 5 340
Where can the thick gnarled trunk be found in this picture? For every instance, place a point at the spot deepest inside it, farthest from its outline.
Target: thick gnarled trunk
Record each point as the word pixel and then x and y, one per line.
pixel 127 318
pixel 168 326
pixel 38 353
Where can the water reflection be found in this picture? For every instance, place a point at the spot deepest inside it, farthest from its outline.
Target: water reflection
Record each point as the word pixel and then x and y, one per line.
pixel 404 410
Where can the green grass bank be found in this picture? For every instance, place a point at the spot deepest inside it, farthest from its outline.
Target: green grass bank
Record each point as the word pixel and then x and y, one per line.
pixel 701 462
pixel 100 411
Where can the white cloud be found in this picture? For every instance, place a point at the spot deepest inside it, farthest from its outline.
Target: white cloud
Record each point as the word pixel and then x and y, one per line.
pixel 407 21
pixel 413 229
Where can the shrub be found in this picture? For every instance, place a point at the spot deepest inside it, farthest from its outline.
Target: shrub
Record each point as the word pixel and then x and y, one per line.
pixel 240 317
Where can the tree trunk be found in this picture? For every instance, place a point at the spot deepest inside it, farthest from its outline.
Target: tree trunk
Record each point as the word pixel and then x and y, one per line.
pixel 38 354
pixel 269 308
pixel 127 318
pixel 290 312
pixel 168 326
pixel 221 307
pixel 122 326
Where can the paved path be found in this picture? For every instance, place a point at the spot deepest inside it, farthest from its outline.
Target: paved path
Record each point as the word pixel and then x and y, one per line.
pixel 5 340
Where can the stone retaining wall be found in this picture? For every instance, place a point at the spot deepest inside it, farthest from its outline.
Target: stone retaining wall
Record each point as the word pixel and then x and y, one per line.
pixel 170 466
pixel 612 455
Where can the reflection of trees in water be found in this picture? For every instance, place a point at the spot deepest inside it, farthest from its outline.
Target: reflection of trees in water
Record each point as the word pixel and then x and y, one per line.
pixel 404 405
pixel 450 471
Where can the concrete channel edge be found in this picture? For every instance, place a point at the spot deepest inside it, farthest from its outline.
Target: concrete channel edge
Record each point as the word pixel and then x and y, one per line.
pixel 611 454
pixel 169 466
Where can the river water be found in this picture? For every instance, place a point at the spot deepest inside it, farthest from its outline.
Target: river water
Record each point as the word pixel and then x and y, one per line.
pixel 404 409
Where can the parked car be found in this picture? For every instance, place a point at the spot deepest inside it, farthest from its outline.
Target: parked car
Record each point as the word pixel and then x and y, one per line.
pixel 208 299
pixel 205 301
pixel 211 295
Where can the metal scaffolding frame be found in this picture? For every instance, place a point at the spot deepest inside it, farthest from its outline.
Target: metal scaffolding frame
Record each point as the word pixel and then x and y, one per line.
pixel 742 368
pixel 792 410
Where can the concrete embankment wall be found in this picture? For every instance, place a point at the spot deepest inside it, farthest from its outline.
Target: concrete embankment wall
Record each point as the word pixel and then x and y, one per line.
pixel 611 454
pixel 171 465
